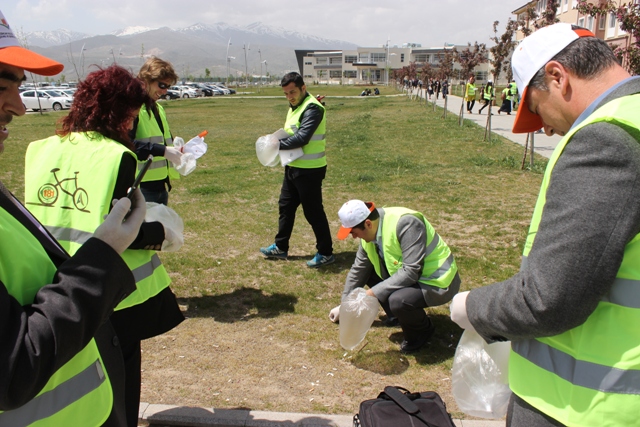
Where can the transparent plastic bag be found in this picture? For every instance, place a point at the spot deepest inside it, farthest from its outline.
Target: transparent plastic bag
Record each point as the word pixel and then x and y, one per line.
pixel 357 313
pixel 187 164
pixel 196 145
pixel 172 223
pixel 268 150
pixel 480 376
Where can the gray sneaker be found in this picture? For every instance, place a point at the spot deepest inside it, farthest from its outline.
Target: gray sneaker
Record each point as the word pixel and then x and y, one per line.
pixel 320 260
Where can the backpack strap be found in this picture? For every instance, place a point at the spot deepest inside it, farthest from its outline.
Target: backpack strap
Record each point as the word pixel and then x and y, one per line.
pixel 405 403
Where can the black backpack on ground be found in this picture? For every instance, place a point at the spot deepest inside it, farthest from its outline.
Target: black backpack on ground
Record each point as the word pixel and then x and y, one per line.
pixel 398 407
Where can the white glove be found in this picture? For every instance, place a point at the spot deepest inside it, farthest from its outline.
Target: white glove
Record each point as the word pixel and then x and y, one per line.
pixel 458 309
pixel 173 155
pixel 120 228
pixel 334 314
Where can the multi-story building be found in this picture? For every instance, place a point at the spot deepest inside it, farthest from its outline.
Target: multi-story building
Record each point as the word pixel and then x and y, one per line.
pixel 373 65
pixel 605 27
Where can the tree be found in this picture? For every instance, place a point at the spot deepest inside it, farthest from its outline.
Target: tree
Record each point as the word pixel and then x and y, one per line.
pixel 445 70
pixel 469 59
pixel 426 72
pixel 503 48
pixel 548 16
pixel 629 16
pixel 207 73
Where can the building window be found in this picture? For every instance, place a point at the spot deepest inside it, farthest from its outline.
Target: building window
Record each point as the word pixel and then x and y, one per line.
pixel 602 22
pixel 308 76
pixel 351 74
pixel 612 20
pixel 321 60
pixel 335 74
pixel 350 59
pixel 364 57
pixel 335 60
pixel 308 63
pixel 421 57
pixel 378 57
pixel 590 23
pixel 581 22
pixel 482 75
pixel 402 57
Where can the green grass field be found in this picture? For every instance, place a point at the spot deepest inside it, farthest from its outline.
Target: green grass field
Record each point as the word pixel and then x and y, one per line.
pixel 257 333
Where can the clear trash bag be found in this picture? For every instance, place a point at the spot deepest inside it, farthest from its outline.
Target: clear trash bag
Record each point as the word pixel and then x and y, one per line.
pixel 196 145
pixel 357 313
pixel 268 150
pixel 172 223
pixel 480 376
pixel 187 164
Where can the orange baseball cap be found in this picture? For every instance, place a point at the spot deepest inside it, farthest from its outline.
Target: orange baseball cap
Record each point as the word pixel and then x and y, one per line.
pixel 531 55
pixel 11 53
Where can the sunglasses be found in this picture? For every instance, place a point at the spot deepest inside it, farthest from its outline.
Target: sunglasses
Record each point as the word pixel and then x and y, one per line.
pixel 163 85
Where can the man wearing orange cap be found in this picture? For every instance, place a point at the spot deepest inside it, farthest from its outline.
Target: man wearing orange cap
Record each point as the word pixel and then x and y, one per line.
pixel 405 263
pixel 60 362
pixel 572 311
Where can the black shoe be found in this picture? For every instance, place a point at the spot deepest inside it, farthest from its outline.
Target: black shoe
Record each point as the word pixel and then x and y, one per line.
pixel 415 345
pixel 391 322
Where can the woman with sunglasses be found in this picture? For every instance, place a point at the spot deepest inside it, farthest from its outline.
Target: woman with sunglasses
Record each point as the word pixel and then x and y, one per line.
pixel 152 135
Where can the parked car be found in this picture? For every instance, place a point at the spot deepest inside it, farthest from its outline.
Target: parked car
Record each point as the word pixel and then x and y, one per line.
pixel 215 90
pixel 185 91
pixel 171 94
pixel 225 89
pixel 52 100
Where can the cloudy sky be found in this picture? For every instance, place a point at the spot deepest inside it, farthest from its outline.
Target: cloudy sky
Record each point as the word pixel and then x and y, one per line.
pixel 366 23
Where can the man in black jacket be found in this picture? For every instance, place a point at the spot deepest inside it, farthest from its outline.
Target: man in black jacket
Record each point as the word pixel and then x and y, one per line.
pixel 54 307
pixel 302 184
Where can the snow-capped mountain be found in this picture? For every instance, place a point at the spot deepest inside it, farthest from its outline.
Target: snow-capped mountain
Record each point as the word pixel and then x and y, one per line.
pixel 132 30
pixel 53 38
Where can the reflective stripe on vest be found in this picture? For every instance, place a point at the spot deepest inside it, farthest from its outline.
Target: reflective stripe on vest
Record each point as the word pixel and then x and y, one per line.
pixel 588 375
pixel 314 152
pixel 71 226
pixel 148 130
pixel 79 392
pixel 439 267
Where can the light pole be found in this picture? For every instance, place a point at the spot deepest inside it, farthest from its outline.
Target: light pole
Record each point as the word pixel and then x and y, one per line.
pixel 82 56
pixel 265 69
pixel 246 75
pixel 260 54
pixel 387 70
pixel 228 60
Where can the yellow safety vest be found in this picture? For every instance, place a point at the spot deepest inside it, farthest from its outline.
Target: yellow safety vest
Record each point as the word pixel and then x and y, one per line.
pixel 69 184
pixel 439 266
pixel 314 151
pixel 588 375
pixel 148 130
pixel 77 394
pixel 471 90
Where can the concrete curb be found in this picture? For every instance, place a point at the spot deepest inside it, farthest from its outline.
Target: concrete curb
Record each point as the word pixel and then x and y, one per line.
pixel 168 415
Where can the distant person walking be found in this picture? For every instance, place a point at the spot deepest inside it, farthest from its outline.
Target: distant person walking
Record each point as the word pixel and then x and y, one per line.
pixel 506 101
pixel 487 96
pixel 470 93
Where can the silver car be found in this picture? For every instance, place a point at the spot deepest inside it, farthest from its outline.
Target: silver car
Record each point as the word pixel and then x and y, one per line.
pixel 45 100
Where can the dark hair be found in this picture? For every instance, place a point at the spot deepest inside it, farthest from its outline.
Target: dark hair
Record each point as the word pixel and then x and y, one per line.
pixel 586 57
pixel 372 216
pixel 292 77
pixel 105 102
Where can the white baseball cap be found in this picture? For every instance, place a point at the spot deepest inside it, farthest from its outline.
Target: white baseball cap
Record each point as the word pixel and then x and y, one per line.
pixel 11 53
pixel 351 214
pixel 531 55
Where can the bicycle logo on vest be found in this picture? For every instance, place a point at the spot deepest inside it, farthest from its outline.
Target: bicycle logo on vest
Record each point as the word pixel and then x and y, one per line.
pixel 49 192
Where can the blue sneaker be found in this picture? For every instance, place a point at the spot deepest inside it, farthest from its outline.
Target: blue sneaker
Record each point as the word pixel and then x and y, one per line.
pixel 320 260
pixel 273 252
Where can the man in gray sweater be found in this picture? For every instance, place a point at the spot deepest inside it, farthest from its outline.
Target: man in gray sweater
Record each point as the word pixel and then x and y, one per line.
pixel 572 311
pixel 405 263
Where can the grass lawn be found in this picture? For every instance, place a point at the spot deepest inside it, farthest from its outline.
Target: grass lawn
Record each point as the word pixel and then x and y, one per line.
pixel 257 333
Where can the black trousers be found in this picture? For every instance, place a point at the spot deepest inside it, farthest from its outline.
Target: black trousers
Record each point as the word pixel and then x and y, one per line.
pixel 303 187
pixel 470 104
pixel 407 304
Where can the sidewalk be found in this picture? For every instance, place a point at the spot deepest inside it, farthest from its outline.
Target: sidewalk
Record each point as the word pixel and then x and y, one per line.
pixel 500 124
pixel 166 415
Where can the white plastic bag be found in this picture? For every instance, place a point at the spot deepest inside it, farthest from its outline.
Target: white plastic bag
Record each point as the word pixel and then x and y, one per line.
pixel 187 164
pixel 357 313
pixel 480 376
pixel 172 223
pixel 268 150
pixel 196 145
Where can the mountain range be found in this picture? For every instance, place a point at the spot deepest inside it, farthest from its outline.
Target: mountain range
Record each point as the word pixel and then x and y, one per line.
pixel 191 50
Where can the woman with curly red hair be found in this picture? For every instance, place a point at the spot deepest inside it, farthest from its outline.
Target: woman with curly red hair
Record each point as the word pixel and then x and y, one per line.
pixel 71 179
